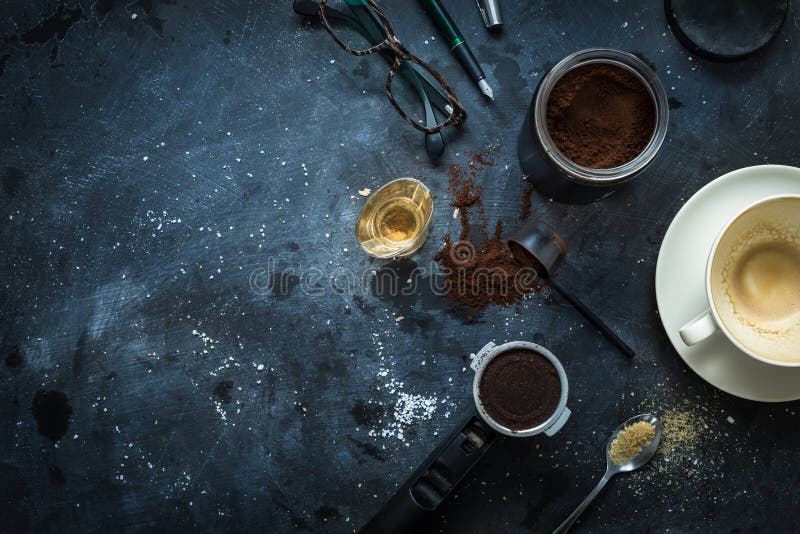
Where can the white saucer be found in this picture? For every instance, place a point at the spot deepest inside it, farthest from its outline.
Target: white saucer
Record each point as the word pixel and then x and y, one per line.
pixel 680 283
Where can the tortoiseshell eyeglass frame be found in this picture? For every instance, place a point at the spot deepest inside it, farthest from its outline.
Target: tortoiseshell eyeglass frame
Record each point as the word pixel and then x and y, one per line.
pixel 401 54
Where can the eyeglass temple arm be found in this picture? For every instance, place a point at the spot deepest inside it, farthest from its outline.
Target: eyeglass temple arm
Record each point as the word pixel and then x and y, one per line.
pixel 433 89
pixel 374 32
pixel 434 142
pixel 413 73
pixel 431 86
pixel 310 8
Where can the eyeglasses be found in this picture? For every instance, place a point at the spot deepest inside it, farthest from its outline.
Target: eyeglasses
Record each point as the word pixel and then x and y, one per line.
pixel 415 89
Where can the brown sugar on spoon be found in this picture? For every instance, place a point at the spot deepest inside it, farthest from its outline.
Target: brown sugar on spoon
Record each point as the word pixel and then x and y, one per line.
pixel 600 115
pixel 631 441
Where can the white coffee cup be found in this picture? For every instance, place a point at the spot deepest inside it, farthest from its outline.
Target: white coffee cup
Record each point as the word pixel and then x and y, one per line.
pixel 753 283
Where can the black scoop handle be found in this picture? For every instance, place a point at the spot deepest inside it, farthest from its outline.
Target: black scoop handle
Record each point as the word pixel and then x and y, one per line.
pixel 435 479
pixel 594 319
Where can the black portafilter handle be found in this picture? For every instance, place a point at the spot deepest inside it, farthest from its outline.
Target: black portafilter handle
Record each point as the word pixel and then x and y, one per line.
pixel 435 479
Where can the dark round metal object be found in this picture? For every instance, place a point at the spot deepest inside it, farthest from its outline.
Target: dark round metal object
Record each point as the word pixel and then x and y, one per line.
pixel 538 245
pixel 725 30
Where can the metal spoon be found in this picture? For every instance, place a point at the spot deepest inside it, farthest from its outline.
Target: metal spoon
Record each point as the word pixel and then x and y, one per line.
pixel 612 469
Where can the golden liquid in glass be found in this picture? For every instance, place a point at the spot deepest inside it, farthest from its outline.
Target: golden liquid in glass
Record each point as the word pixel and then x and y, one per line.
pixel 395 220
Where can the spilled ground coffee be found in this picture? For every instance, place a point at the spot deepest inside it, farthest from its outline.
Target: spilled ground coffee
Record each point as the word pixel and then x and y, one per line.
pixel 520 389
pixel 478 269
pixel 600 115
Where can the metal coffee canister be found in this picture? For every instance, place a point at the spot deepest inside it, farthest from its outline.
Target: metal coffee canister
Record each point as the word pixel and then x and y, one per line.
pixel 554 175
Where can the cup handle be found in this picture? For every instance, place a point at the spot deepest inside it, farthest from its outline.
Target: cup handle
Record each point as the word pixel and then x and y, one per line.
pixel 562 419
pixel 698 329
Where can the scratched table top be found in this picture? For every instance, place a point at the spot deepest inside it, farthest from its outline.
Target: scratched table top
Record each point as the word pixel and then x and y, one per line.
pixel 179 186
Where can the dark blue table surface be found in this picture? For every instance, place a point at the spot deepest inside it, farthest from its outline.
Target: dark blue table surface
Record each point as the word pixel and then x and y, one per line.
pixel 154 166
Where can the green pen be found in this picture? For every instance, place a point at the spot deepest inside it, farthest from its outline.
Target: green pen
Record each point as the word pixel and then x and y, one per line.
pixel 458 46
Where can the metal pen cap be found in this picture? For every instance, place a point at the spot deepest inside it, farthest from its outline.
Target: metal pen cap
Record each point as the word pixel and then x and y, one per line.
pixel 490 11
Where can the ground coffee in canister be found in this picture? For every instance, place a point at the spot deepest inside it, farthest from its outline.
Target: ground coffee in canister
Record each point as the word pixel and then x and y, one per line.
pixel 600 115
pixel 519 389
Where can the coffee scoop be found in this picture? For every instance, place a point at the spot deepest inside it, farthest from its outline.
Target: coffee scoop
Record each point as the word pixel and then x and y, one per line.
pixel 539 246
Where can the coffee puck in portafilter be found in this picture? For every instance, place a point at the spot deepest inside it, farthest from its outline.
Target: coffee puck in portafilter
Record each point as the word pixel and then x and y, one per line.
pixel 519 389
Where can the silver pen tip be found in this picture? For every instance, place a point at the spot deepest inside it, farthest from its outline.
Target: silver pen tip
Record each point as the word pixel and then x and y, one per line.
pixel 485 89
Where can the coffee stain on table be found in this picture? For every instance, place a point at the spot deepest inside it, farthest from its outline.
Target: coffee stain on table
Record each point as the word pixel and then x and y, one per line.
pixel 14 359
pixel 674 103
pixel 52 412
pixel 56 476
pixel 369 450
pixel 367 414
pixel 509 76
pixel 80 353
pixel 12 178
pixel 54 26
pixel 3 60
pixel 223 391
pixel 326 513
